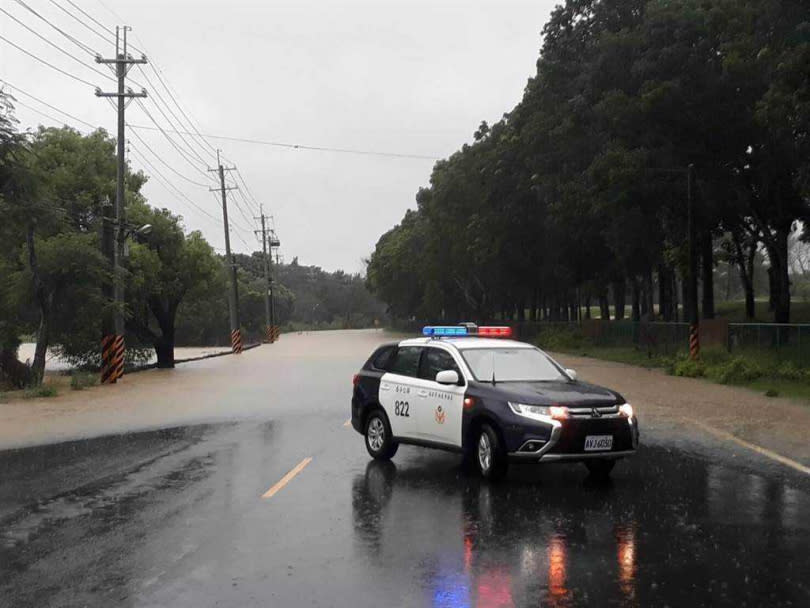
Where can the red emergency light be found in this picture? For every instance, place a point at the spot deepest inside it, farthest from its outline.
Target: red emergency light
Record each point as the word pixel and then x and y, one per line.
pixel 495 332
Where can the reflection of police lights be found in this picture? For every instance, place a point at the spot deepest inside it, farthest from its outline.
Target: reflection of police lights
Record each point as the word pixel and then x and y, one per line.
pixel 626 556
pixel 556 567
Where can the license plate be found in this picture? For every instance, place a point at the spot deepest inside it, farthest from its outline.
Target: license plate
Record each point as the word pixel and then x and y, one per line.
pixel 595 443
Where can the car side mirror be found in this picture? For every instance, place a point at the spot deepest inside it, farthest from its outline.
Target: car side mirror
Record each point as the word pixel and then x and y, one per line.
pixel 572 373
pixel 447 376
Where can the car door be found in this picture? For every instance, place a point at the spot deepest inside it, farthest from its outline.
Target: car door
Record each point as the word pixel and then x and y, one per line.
pixel 441 405
pixel 398 390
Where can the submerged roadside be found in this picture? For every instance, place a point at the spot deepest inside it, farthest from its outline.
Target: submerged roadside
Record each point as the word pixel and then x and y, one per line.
pixel 695 406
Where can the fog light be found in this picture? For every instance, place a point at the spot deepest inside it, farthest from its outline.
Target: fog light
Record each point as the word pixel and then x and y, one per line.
pixel 532 446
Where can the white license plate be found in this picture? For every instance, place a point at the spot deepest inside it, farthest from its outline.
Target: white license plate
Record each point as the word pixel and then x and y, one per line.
pixel 595 443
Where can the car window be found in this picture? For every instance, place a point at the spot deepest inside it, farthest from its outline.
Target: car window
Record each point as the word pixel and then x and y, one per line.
pixel 406 361
pixel 383 357
pixel 436 360
pixel 512 365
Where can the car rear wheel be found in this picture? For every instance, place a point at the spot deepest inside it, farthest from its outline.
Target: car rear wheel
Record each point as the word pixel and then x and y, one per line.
pixel 600 468
pixel 490 456
pixel 379 442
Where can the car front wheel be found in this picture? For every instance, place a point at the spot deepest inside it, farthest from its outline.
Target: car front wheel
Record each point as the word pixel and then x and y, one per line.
pixel 379 442
pixel 490 455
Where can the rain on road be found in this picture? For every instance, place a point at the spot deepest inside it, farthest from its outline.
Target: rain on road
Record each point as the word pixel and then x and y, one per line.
pixel 222 506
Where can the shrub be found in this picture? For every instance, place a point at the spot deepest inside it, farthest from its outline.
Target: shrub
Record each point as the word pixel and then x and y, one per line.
pixel 46 390
pixel 772 392
pixel 789 371
pixel 560 338
pixel 82 380
pixel 735 371
pixel 688 368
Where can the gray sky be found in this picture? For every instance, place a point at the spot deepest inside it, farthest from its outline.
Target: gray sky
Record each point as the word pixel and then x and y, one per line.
pixel 411 77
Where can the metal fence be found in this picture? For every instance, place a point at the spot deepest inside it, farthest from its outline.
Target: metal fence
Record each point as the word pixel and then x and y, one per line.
pixel 786 337
pixel 790 341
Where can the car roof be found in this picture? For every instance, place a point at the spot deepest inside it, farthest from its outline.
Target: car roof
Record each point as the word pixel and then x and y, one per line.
pixel 465 343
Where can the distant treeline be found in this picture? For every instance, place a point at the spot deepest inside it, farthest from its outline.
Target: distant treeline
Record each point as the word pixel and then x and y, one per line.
pixel 579 194
pixel 306 297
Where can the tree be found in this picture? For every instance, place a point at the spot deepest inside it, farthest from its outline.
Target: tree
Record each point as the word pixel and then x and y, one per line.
pixel 165 268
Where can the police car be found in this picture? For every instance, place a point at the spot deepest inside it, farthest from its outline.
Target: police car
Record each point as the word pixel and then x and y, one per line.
pixel 474 390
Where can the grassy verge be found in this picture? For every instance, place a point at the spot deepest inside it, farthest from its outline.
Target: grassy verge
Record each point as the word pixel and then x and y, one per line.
pixel 766 371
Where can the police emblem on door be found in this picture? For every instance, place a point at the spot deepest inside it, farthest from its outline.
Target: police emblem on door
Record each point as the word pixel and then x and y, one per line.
pixel 439 415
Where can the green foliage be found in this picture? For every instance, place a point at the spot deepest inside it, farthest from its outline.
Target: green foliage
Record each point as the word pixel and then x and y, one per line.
pixel 46 390
pixel 688 368
pixel 82 380
pixel 583 184
pixel 736 370
pixel 771 392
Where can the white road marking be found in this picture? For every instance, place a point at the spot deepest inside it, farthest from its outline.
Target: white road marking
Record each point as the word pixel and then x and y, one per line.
pixel 751 446
pixel 287 478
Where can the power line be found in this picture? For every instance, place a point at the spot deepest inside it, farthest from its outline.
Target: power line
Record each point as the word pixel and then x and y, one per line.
pixel 109 38
pixel 56 46
pixel 45 103
pixel 171 141
pixel 311 148
pixel 172 169
pixel 166 183
pixel 159 75
pixel 50 65
pixel 75 41
pixel 163 101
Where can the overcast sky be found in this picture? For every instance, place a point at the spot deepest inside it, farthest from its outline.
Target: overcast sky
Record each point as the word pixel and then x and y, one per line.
pixel 412 77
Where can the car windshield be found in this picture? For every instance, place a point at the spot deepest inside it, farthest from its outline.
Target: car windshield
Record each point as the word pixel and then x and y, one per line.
pixel 511 365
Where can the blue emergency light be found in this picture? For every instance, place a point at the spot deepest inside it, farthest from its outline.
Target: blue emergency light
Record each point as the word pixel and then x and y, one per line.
pixel 438 330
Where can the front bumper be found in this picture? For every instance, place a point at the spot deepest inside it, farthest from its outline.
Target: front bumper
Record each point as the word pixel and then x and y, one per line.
pixel 566 441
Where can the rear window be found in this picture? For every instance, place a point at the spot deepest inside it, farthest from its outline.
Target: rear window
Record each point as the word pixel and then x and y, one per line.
pixel 382 357
pixel 406 361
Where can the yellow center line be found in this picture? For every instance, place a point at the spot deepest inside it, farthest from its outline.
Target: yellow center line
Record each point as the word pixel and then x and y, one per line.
pixel 751 446
pixel 348 422
pixel 287 478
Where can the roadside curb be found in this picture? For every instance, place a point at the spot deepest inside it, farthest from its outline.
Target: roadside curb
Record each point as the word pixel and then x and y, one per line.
pixel 226 353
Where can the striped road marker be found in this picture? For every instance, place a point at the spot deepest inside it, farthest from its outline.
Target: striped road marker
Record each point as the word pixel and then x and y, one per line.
pixel 236 341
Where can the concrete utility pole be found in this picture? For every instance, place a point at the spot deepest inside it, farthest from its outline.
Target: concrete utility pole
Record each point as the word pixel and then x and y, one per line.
pixel 112 342
pixel 692 285
pixel 269 240
pixel 267 319
pixel 233 293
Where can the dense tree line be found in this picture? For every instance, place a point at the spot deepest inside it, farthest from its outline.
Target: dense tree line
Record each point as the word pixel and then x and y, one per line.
pixel 55 188
pixel 578 194
pixel 306 297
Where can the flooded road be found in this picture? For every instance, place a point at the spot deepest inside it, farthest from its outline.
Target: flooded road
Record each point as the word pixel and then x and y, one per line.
pixel 176 516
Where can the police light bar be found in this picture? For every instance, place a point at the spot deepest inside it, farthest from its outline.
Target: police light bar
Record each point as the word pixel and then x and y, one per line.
pixel 436 331
pixel 451 330
pixel 495 332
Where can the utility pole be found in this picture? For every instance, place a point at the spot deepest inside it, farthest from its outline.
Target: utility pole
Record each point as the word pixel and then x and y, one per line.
pixel 269 240
pixel 233 293
pixel 267 317
pixel 112 342
pixel 692 285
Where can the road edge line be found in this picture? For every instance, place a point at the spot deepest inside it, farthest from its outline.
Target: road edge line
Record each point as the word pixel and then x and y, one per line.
pixel 754 447
pixel 287 478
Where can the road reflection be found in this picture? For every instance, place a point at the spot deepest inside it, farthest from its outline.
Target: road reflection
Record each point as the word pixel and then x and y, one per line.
pixel 559 539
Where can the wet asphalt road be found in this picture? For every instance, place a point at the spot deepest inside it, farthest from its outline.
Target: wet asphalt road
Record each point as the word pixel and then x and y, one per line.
pixel 175 517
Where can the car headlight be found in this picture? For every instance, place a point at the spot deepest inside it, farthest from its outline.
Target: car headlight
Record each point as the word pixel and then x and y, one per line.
pixel 626 410
pixel 523 409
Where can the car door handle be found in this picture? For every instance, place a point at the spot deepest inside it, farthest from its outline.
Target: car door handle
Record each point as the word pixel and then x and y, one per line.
pixel 423 393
